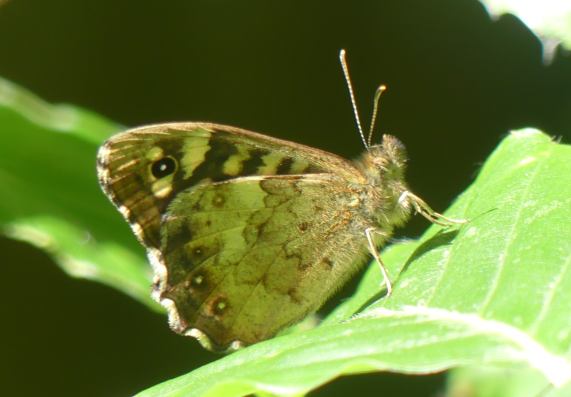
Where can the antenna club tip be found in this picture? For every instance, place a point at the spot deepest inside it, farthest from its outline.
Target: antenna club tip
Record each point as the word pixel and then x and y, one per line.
pixel 383 87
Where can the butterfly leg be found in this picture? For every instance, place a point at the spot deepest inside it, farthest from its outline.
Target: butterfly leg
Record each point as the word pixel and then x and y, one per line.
pixel 374 251
pixel 424 209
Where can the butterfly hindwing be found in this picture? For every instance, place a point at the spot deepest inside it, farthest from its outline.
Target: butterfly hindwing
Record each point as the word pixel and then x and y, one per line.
pixel 245 258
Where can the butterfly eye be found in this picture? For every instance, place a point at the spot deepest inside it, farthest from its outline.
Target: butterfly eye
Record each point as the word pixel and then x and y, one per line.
pixel 163 167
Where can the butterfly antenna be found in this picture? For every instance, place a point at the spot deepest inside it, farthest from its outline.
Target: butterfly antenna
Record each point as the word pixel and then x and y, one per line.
pixel 352 96
pixel 382 88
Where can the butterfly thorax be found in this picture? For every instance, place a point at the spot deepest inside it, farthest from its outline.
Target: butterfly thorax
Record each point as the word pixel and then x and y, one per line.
pixel 383 167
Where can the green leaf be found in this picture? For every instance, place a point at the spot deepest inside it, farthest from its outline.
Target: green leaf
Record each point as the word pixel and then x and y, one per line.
pixel 495 293
pixel 492 382
pixel 50 194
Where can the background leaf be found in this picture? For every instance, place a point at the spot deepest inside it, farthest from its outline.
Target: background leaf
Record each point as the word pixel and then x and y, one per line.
pixel 50 194
pixel 495 293
pixel 550 19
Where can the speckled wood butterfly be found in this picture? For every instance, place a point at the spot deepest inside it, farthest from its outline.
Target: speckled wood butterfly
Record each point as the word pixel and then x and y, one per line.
pixel 248 234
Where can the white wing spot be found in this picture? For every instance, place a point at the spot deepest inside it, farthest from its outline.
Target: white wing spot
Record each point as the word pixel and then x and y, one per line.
pixel 124 211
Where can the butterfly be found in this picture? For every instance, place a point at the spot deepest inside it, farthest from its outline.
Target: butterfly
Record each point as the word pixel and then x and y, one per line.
pixel 248 234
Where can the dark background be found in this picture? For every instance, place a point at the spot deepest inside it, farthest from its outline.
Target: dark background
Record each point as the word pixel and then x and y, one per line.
pixel 458 82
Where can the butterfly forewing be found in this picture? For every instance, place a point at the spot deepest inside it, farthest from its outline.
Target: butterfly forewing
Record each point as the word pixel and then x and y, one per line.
pixel 201 153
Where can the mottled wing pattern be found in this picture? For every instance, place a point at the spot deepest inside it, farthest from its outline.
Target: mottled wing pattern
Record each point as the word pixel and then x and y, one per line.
pixel 246 232
pixel 203 153
pixel 247 257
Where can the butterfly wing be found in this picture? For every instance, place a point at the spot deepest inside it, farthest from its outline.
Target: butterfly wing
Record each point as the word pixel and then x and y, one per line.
pixel 129 166
pixel 247 257
pixel 247 233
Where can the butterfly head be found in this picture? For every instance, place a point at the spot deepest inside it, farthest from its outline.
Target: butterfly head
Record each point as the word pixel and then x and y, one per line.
pixel 386 162
pixel 384 166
